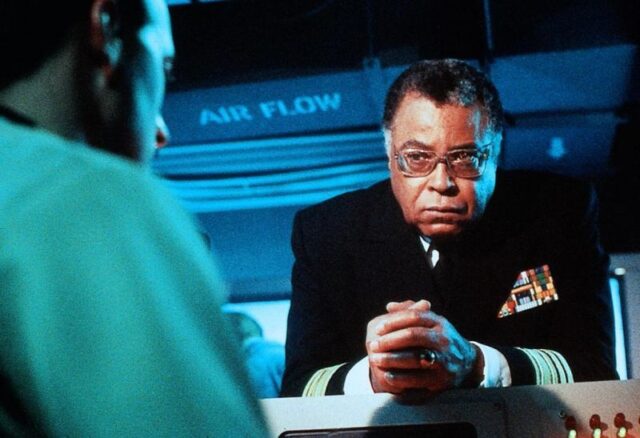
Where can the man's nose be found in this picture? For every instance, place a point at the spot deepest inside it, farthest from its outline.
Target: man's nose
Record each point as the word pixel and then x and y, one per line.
pixel 162 133
pixel 439 179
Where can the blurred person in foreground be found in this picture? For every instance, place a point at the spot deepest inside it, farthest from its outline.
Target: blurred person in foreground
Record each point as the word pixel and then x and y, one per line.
pixel 451 273
pixel 108 294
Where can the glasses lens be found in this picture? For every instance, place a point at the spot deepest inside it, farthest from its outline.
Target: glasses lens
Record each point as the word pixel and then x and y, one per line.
pixel 417 162
pixel 466 163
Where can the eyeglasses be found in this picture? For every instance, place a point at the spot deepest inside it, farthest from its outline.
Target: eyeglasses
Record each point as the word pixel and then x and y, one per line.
pixel 462 163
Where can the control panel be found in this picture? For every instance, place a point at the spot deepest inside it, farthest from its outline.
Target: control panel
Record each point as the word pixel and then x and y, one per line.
pixel 608 409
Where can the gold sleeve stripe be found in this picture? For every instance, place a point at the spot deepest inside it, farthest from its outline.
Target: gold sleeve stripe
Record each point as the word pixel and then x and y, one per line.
pixel 554 375
pixel 317 384
pixel 562 365
pixel 549 366
pixel 562 375
pixel 533 360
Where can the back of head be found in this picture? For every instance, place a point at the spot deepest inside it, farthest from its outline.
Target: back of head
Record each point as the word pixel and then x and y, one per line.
pixel 31 31
pixel 446 81
pixel 98 55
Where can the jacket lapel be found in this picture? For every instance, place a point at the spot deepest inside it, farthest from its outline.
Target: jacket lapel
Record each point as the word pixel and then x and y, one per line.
pixel 393 250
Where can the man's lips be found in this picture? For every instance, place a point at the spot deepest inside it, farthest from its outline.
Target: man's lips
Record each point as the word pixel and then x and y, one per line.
pixel 443 215
pixel 445 210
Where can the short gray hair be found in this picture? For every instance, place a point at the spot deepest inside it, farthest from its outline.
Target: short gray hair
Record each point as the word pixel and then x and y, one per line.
pixel 445 81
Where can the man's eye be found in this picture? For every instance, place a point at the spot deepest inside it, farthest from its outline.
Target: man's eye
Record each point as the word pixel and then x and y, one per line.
pixel 418 156
pixel 463 156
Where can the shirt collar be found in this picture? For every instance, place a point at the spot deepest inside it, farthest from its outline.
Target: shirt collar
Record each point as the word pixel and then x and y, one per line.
pixel 434 254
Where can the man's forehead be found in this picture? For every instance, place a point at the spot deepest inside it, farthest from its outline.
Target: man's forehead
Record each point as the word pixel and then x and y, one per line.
pixel 422 109
pixel 415 97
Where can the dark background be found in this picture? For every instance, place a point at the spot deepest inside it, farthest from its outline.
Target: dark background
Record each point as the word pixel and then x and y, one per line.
pixel 241 40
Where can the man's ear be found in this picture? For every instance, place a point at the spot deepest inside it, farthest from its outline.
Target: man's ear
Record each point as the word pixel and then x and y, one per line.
pixel 105 38
pixel 386 133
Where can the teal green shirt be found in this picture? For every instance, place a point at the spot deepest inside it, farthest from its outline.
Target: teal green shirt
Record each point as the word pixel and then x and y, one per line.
pixel 109 315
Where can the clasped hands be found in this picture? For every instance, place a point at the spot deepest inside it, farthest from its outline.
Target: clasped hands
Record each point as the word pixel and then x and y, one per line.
pixel 396 339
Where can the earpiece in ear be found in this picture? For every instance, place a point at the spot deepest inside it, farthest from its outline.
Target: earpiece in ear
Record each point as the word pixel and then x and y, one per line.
pixel 104 36
pixel 112 50
pixel 105 19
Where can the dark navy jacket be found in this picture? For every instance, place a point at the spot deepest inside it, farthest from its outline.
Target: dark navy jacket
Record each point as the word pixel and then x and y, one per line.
pixel 354 253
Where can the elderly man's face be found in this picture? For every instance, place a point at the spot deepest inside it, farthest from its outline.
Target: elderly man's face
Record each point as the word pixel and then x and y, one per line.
pixel 440 205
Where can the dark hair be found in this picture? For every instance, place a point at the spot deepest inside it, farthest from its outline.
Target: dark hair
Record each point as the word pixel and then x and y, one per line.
pixel 449 81
pixel 32 31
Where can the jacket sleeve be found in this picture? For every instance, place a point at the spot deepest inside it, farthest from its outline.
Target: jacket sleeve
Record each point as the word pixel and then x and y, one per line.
pixel 314 345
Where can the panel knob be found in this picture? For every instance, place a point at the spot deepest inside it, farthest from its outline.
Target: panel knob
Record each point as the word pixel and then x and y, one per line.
pixel 571 425
pixel 621 423
pixel 596 425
